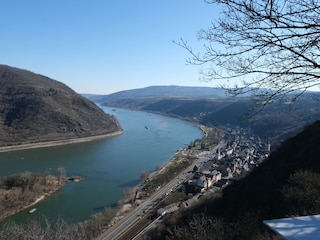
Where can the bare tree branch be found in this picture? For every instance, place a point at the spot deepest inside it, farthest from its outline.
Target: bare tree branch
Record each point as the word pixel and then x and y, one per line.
pixel 273 44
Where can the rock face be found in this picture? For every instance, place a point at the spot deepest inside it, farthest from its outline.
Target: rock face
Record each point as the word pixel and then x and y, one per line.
pixel 35 108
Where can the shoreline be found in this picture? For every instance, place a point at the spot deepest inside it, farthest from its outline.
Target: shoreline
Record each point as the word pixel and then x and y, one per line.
pixel 37 200
pixel 58 142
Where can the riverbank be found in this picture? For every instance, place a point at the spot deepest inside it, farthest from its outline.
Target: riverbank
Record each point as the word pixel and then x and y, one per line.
pixel 58 142
pixel 37 200
pixel 153 191
pixel 158 178
pixel 16 196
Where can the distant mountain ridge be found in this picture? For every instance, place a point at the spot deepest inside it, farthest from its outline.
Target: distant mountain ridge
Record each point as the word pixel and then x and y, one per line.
pixel 35 108
pixel 213 106
pixel 167 92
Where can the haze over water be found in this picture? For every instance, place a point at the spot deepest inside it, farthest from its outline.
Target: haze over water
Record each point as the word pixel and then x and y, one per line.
pixel 108 165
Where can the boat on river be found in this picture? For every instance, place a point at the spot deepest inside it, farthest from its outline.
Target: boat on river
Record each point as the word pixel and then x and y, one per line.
pixel 32 210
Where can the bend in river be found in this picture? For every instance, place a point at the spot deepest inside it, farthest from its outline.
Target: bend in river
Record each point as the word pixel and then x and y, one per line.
pixel 109 165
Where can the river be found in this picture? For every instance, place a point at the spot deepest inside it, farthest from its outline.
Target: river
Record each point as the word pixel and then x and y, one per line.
pixel 109 165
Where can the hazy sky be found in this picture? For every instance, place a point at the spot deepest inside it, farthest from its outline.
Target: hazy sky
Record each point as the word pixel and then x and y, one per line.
pixel 104 46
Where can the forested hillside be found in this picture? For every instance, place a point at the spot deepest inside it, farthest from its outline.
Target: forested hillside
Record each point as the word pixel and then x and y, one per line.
pixel 212 106
pixel 35 108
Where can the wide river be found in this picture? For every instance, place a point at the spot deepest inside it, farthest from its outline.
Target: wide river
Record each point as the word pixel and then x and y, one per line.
pixel 109 165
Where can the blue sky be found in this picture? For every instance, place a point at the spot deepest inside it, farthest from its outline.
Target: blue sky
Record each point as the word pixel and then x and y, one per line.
pixel 104 46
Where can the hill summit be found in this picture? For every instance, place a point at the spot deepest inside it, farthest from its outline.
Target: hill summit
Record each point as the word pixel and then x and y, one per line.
pixel 35 108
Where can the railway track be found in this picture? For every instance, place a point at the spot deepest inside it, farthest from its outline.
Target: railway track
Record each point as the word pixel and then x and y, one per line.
pixel 135 228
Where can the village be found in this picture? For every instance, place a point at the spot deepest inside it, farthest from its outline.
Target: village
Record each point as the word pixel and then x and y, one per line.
pixel 238 154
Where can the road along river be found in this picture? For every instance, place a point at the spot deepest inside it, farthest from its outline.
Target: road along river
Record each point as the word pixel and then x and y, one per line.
pixel 109 165
pixel 133 217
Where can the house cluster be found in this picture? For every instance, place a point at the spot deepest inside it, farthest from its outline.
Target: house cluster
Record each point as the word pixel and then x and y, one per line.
pixel 242 152
pixel 205 179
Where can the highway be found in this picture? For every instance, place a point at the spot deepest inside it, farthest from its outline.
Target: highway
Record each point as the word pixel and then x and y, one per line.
pixel 134 216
